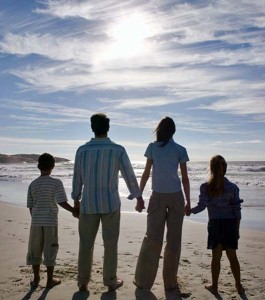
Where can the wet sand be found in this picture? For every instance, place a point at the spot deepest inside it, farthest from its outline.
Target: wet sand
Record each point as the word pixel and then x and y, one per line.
pixel 194 271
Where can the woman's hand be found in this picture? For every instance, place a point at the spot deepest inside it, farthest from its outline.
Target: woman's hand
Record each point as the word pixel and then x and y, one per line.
pixel 140 204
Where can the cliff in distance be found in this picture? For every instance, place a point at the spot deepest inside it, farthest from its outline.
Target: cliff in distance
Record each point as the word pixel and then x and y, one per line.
pixel 25 158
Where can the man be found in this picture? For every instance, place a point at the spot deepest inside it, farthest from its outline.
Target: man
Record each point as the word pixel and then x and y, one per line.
pixel 95 182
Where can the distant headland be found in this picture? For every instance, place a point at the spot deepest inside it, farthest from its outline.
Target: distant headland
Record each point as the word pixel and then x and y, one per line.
pixel 25 158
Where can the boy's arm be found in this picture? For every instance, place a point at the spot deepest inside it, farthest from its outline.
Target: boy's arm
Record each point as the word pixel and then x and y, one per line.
pixel 68 207
pixel 29 200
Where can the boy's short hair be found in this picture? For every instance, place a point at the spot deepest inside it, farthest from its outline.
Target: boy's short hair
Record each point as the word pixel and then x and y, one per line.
pixel 100 123
pixel 46 162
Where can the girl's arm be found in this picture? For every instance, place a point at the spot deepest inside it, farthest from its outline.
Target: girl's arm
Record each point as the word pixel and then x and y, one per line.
pixel 203 200
pixel 146 173
pixel 186 184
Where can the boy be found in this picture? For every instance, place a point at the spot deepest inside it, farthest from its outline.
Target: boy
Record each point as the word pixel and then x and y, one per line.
pixel 44 193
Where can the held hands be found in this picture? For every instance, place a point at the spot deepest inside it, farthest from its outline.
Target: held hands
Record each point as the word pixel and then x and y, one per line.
pixel 187 210
pixel 76 210
pixel 75 213
pixel 140 204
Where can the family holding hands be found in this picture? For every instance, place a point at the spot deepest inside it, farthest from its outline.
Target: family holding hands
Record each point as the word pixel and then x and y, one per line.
pixel 96 200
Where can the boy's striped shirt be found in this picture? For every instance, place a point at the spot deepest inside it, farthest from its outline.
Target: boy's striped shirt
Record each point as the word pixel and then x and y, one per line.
pixel 43 195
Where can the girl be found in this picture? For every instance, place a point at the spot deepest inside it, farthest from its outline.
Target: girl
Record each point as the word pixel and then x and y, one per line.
pixel 166 207
pixel 221 197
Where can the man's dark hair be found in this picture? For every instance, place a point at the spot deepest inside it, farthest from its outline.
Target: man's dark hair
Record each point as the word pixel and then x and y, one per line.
pixel 99 124
pixel 46 162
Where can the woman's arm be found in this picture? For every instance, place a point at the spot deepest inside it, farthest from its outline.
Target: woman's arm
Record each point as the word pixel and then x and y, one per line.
pixel 186 184
pixel 146 173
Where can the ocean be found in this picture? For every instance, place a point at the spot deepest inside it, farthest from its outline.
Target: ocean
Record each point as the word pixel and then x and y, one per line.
pixel 248 175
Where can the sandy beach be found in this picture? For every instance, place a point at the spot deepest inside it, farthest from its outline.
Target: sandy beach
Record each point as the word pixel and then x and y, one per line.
pixel 194 271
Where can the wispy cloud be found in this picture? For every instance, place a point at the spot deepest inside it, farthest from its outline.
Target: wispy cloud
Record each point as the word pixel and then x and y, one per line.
pixel 37 115
pixel 48 109
pixel 201 62
pixel 245 106
pixel 249 142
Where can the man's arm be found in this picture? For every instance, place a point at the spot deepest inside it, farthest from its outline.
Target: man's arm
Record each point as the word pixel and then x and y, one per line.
pixel 77 182
pixel 131 181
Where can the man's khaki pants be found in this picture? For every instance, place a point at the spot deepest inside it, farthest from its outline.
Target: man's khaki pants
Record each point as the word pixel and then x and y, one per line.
pixel 88 228
pixel 164 209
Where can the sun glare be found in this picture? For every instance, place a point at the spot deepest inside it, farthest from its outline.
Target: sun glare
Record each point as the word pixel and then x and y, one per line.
pixel 129 36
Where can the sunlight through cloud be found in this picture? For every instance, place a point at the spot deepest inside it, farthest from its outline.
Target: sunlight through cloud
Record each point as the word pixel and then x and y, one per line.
pixel 129 36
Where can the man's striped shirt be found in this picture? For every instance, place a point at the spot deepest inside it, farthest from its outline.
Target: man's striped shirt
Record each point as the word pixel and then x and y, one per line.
pixel 43 195
pixel 96 176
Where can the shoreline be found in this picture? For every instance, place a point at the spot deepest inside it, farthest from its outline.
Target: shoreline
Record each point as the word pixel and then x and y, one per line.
pixel 252 219
pixel 194 270
pixel 199 218
pixel 135 213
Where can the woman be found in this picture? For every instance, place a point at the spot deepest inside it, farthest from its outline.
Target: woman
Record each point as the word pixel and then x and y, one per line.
pixel 166 207
pixel 221 197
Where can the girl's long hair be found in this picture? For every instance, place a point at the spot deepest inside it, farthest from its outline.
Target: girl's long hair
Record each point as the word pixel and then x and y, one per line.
pixel 218 168
pixel 165 130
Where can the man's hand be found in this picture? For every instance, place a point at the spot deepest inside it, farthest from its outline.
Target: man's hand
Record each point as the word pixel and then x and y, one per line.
pixel 140 204
pixel 76 209
pixel 187 210
pixel 75 213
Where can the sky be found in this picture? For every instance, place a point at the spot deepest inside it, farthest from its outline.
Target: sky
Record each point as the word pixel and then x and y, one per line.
pixel 199 62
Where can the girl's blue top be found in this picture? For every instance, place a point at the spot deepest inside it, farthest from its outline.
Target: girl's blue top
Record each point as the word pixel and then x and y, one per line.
pixel 225 206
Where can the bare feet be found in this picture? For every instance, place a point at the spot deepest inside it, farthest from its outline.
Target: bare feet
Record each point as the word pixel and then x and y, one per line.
pixel 52 283
pixel 115 286
pixel 82 287
pixel 212 289
pixel 35 282
pixel 240 289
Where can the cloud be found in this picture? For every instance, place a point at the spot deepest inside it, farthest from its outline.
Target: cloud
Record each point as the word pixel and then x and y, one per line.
pixel 138 102
pixel 83 9
pixel 53 47
pixel 202 62
pixel 183 83
pixel 36 116
pixel 44 108
pixel 185 38
pixel 65 9
pixel 238 106
pixel 44 114
pixel 249 142
pixel 185 33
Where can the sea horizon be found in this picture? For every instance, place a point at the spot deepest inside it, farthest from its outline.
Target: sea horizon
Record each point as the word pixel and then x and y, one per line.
pixel 248 175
